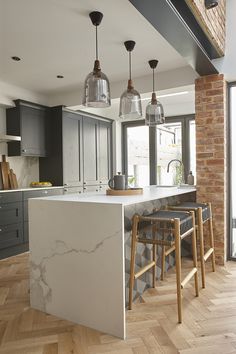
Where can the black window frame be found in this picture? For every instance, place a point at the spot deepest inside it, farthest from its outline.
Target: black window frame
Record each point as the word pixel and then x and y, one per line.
pixel 229 177
pixel 184 119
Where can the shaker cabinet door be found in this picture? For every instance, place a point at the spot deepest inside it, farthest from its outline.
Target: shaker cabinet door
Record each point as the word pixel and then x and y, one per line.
pixel 104 152
pixel 72 150
pixel 90 149
pixel 33 132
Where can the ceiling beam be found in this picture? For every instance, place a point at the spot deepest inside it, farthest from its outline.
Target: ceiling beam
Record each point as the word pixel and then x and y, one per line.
pixel 169 21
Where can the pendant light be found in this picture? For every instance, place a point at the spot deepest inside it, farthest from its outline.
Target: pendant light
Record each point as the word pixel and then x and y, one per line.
pixel 154 110
pixel 130 100
pixel 96 87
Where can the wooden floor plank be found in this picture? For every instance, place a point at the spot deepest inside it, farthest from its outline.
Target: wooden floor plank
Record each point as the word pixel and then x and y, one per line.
pixel 209 321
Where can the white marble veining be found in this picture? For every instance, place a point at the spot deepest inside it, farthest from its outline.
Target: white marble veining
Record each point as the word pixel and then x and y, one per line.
pixel 77 263
pixel 77 256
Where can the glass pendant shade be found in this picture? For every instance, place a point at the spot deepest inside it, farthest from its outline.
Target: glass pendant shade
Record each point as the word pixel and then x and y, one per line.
pixel 96 89
pixel 154 110
pixel 130 100
pixel 130 104
pixel 96 86
pixel 154 114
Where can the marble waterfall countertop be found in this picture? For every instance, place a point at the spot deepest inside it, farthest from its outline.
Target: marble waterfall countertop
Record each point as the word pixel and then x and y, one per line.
pixel 149 194
pixel 80 254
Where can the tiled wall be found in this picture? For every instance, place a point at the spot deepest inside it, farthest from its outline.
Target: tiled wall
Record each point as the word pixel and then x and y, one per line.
pixel 211 148
pixel 212 21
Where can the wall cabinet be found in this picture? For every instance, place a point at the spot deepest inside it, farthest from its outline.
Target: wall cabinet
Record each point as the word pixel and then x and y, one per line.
pixel 80 150
pixel 28 121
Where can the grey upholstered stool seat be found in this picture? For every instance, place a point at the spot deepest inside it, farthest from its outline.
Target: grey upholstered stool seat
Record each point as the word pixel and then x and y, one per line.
pixel 164 228
pixel 203 214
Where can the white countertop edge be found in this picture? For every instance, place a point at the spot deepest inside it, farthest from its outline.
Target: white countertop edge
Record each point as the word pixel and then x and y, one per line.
pixel 150 193
pixel 26 189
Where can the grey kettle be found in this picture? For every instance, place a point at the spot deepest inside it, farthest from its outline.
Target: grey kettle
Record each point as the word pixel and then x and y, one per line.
pixel 118 182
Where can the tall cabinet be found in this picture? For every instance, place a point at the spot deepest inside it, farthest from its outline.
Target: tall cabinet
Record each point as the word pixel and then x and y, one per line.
pixel 80 152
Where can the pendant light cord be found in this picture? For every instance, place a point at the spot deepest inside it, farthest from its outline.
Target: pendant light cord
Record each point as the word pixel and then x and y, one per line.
pixel 96 42
pixel 130 65
pixel 153 81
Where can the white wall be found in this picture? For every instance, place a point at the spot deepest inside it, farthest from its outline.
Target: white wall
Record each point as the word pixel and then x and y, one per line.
pixel 227 64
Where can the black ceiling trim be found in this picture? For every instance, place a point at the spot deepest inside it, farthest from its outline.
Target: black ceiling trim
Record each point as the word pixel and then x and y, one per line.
pixel 168 20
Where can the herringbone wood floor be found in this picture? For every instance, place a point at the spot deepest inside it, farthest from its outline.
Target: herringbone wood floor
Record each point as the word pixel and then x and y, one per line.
pixel 209 321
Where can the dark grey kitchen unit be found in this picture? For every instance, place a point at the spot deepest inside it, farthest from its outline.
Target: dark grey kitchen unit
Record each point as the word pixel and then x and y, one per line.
pixel 11 224
pixel 14 229
pixel 80 151
pixel 27 120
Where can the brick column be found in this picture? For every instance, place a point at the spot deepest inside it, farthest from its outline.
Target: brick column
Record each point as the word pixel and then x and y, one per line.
pixel 210 102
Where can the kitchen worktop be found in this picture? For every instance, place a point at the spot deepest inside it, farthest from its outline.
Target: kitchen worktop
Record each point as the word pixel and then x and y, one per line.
pixel 27 189
pixel 149 194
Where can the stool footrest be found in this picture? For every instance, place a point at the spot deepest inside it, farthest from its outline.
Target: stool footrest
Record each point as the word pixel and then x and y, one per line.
pixel 155 241
pixel 171 249
pixel 144 269
pixel 208 253
pixel 188 277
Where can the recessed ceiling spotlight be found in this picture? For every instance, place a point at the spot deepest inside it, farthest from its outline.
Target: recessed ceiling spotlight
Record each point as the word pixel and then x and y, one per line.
pixel 15 58
pixel 60 76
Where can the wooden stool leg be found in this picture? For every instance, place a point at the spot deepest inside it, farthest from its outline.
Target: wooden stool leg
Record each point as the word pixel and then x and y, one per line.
pixel 211 239
pixel 132 261
pixel 201 241
pixel 163 261
pixel 194 250
pixel 154 268
pixel 178 267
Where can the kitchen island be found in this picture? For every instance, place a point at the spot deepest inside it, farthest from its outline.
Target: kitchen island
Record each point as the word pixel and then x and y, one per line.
pixel 80 253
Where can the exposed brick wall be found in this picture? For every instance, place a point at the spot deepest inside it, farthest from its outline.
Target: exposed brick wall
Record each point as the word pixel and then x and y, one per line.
pixel 210 101
pixel 212 21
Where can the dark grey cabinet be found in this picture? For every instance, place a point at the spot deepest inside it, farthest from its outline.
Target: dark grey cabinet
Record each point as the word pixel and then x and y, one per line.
pixel 72 149
pixel 14 227
pixel 104 140
pixel 64 164
pixel 91 151
pixel 28 121
pixel 80 150
pixel 11 220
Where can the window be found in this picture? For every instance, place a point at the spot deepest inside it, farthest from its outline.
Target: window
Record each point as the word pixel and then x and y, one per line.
pixel 232 169
pixel 138 156
pixel 147 151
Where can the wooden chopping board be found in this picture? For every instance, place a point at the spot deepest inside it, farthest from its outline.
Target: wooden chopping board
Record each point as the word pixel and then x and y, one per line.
pixel 5 170
pixel 13 180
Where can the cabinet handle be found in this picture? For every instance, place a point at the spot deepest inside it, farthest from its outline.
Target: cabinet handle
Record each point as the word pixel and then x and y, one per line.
pixel 84 182
pixel 85 188
pixel 65 190
pixel 23 150
pixel 79 192
pixel 100 182
pixel 65 184
pixel 0 230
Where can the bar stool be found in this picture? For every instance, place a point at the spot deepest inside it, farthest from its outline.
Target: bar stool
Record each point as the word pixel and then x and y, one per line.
pixel 203 214
pixel 165 228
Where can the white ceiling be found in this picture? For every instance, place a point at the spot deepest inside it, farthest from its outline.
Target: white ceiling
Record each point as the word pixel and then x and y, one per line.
pixel 56 37
pixel 176 102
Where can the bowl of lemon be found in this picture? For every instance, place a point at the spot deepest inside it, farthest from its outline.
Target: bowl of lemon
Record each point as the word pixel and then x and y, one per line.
pixel 40 184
